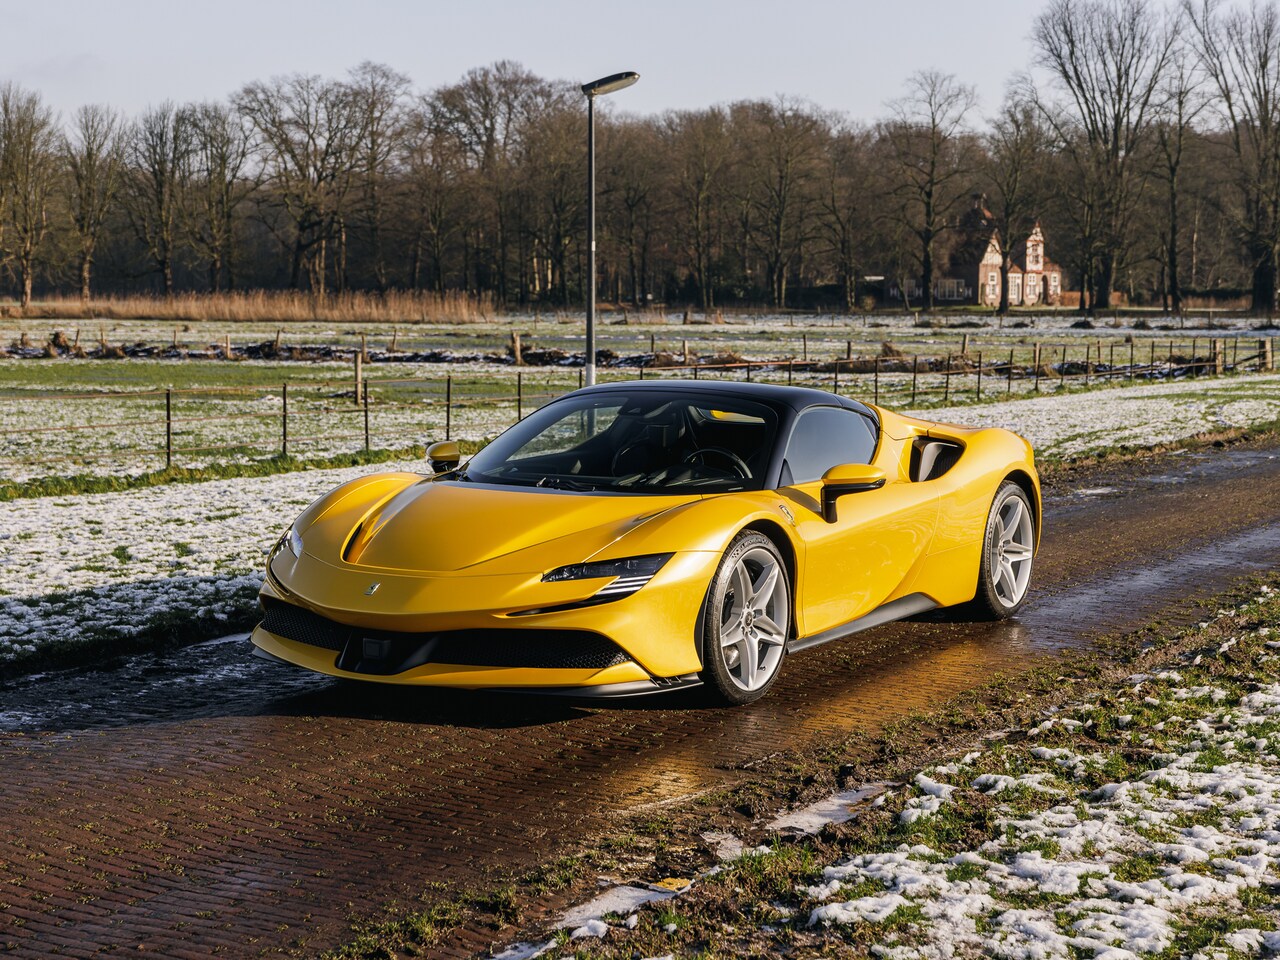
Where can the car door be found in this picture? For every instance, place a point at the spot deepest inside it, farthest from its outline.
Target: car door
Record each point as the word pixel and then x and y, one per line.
pixel 855 564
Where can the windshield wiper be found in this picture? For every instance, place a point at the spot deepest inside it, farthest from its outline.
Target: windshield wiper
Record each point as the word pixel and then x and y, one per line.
pixel 564 483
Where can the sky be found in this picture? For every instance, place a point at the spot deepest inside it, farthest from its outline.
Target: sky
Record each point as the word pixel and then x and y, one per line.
pixel 846 55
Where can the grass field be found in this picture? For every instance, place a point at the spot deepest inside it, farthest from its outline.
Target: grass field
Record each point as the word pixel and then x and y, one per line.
pixel 64 416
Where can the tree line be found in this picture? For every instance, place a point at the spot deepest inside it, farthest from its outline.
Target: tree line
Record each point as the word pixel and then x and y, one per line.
pixel 1145 137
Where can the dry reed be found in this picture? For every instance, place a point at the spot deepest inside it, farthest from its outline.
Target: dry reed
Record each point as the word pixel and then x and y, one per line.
pixel 265 306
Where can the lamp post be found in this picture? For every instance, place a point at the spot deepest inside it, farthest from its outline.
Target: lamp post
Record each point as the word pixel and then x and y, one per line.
pixel 596 88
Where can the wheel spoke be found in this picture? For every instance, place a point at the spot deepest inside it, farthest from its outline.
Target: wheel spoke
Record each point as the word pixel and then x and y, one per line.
pixel 750 660
pixel 770 633
pixel 731 635
pixel 742 592
pixel 1016 552
pixel 763 588
pixel 1014 520
pixel 1008 577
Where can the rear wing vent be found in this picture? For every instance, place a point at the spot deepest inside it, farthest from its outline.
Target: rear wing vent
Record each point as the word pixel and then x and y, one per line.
pixel 931 459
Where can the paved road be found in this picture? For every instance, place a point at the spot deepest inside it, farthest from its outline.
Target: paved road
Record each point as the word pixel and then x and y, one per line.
pixel 203 800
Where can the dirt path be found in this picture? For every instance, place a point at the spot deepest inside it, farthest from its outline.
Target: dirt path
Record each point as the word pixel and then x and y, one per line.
pixel 180 804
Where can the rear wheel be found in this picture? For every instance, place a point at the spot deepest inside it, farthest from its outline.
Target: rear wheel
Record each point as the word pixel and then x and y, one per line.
pixel 746 621
pixel 1007 553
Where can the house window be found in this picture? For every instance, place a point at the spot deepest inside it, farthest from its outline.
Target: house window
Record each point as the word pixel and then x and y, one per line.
pixel 950 289
pixel 992 277
pixel 1053 282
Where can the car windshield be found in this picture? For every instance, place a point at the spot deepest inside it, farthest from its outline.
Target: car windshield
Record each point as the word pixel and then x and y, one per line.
pixel 640 442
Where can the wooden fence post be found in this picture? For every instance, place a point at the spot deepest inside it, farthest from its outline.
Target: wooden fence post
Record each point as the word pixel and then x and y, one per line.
pixel 519 390
pixel 366 416
pixel 876 379
pixel 915 372
pixel 448 405
pixel 168 429
pixel 1009 374
pixel 1219 358
pixel 1266 359
pixel 979 397
pixel 284 420
pixel 1036 364
pixel 359 377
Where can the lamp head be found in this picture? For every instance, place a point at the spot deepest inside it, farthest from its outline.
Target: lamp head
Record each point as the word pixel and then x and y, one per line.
pixel 610 84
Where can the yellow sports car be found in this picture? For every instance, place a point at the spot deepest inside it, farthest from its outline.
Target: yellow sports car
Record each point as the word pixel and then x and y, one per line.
pixel 639 537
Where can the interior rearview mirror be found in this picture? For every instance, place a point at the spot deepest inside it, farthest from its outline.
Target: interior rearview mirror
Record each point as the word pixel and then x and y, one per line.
pixel 847 478
pixel 444 455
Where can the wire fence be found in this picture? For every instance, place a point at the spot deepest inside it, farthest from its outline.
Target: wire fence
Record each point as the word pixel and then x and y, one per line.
pixel 55 434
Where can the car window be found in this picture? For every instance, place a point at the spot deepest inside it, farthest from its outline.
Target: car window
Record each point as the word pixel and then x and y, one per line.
pixel 570 431
pixel 824 437
pixel 646 441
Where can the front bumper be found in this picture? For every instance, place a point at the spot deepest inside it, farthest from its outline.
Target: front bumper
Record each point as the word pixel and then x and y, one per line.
pixel 654 631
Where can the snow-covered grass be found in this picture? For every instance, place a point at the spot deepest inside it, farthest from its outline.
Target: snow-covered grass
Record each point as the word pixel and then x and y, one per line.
pixel 108 571
pixel 1074 425
pixel 124 433
pixel 1141 820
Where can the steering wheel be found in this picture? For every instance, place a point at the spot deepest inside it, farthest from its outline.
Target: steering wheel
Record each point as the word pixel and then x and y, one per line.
pixel 736 462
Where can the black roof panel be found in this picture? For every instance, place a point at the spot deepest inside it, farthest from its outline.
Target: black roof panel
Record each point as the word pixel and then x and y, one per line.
pixel 798 398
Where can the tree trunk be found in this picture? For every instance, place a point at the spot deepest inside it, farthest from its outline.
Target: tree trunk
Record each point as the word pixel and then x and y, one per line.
pixel 1003 309
pixel 1264 284
pixel 926 276
pixel 1106 278
pixel 86 266
pixel 1174 287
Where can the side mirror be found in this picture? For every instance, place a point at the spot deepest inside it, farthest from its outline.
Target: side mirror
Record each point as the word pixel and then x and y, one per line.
pixel 846 478
pixel 444 455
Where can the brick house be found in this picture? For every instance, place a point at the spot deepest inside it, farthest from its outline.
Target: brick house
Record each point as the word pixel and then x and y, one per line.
pixel 972 275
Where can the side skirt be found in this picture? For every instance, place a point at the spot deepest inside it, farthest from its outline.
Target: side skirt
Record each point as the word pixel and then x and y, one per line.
pixel 907 606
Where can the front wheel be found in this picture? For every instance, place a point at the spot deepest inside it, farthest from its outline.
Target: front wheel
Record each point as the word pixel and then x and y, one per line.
pixel 746 621
pixel 1007 553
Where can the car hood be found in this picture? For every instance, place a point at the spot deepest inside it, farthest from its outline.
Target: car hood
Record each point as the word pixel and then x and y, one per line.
pixel 436 526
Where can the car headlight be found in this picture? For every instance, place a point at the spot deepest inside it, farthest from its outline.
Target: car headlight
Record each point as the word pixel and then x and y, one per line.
pixel 631 573
pixel 293 540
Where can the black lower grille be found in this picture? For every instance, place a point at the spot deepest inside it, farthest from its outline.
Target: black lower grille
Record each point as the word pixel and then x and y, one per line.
pixel 387 652
pixel 295 623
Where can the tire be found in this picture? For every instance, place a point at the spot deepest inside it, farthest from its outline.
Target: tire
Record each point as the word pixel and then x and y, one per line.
pixel 745 642
pixel 1008 552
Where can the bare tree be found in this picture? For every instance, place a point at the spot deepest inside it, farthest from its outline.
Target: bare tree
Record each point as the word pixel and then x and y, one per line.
pixel 92 155
pixel 933 158
pixel 847 204
pixel 310 130
pixel 433 168
pixel 156 154
pixel 631 159
pixel 1013 171
pixel 697 143
pixel 215 175
pixel 1182 103
pixel 379 94
pixel 783 144
pixel 1109 59
pixel 1238 51
pixel 29 168
pixel 488 112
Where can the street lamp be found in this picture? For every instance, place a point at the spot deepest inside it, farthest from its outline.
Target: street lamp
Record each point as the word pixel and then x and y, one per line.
pixel 596 88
